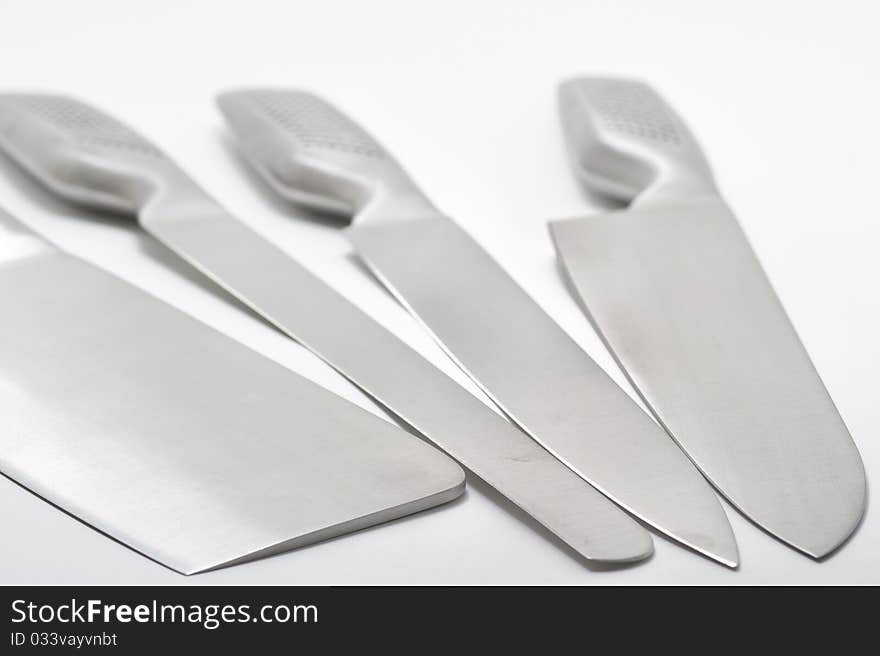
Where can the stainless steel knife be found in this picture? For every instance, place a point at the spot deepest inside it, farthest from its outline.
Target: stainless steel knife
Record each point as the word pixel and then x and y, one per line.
pixel 312 154
pixel 174 439
pixel 680 299
pixel 89 157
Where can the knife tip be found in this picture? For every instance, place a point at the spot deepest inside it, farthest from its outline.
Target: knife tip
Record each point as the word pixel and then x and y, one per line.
pixel 637 547
pixel 724 551
pixel 731 561
pixel 825 523
pixel 820 546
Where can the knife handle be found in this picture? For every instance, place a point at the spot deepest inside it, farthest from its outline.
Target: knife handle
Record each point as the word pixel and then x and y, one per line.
pixel 626 142
pixel 86 156
pixel 314 155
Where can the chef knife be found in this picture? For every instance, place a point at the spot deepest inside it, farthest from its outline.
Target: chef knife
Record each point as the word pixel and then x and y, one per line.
pixel 89 157
pixel 678 295
pixel 313 154
pixel 174 439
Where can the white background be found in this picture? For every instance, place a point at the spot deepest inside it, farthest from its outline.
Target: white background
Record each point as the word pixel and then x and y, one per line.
pixel 782 95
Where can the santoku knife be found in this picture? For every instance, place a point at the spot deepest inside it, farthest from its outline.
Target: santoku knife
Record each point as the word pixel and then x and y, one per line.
pixel 680 299
pixel 89 157
pixel 312 154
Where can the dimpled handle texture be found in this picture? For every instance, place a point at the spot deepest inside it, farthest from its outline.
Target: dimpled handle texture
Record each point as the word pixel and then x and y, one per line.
pixel 626 141
pixel 634 110
pixel 83 123
pixel 314 123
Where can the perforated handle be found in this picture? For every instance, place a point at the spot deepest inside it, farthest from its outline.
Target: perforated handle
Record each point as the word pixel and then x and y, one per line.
pixel 625 141
pixel 309 122
pixel 83 123
pixel 84 154
pixel 313 154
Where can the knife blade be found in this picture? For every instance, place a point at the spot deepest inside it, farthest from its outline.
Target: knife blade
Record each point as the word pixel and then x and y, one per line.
pixel 89 157
pixel 681 300
pixel 176 440
pixel 313 154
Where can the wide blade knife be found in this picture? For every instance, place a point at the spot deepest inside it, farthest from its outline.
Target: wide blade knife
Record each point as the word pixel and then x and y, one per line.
pixel 174 439
pixel 89 157
pixel 681 300
pixel 313 154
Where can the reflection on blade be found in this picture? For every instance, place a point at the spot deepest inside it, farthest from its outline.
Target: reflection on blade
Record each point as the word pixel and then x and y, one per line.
pixel 538 375
pixel 684 305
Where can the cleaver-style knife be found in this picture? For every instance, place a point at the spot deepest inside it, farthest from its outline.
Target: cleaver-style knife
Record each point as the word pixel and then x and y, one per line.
pixel 312 154
pixel 172 438
pixel 682 302
pixel 91 158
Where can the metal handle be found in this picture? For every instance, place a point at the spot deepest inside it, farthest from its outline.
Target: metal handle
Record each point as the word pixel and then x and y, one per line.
pixel 625 141
pixel 86 156
pixel 312 154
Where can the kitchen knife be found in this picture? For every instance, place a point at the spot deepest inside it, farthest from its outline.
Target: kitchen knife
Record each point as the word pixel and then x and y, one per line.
pixel 681 300
pixel 88 157
pixel 174 439
pixel 312 154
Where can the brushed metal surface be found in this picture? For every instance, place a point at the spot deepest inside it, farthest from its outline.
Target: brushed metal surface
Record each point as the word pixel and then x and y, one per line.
pixel 682 302
pixel 311 153
pixel 106 164
pixel 542 379
pixel 175 440
pixel 307 309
